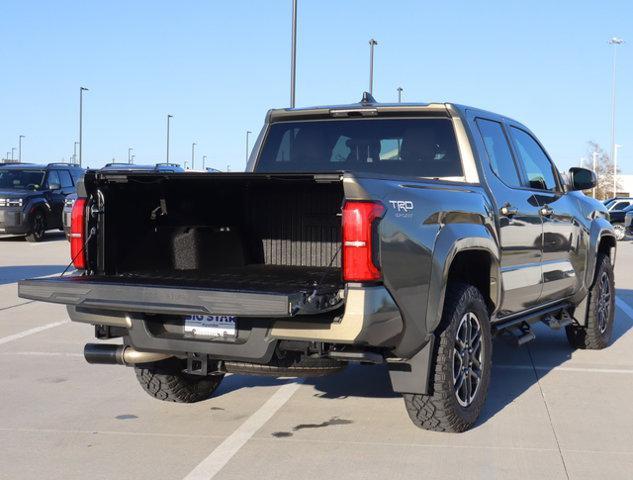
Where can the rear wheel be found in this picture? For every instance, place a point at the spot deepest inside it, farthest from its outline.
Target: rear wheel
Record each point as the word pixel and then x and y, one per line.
pixel 38 227
pixel 620 231
pixel 461 370
pixel 166 381
pixel 597 333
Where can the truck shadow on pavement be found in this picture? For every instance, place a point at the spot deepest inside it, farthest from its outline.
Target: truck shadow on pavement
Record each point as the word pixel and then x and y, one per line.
pixel 14 273
pixel 515 370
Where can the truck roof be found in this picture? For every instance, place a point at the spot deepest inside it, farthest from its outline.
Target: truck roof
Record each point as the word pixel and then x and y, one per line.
pixel 368 107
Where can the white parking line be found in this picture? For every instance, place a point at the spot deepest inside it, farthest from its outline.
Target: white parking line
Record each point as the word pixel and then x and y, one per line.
pixel 625 371
pixel 31 331
pixel 210 466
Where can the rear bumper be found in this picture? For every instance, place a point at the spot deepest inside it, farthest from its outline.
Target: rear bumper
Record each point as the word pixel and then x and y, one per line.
pixel 152 317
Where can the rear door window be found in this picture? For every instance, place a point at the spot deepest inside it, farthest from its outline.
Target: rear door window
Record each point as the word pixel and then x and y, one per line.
pixel 65 179
pixel 423 147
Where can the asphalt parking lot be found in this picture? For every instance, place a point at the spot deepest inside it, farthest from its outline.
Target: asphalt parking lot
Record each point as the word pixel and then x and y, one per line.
pixel 552 413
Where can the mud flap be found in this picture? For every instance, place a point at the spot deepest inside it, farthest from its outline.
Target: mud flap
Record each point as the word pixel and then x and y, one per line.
pixel 413 375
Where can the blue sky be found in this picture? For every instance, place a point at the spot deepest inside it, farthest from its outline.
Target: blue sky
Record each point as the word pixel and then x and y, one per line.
pixel 218 66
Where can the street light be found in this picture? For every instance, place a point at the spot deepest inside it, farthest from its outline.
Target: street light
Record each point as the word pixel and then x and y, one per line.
pixel 248 132
pixel 169 117
pixel 615 41
pixel 81 120
pixel 20 148
pixel 293 55
pixel 75 152
pixel 615 170
pixel 129 154
pixel 400 94
pixel 372 44
pixel 594 156
pixel 204 162
pixel 12 152
pixel 193 155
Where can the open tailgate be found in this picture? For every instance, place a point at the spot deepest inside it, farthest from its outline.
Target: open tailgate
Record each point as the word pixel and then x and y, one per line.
pixel 99 292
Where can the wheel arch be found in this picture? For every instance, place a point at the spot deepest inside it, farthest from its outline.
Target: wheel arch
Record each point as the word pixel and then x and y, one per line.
pixel 601 240
pixel 466 253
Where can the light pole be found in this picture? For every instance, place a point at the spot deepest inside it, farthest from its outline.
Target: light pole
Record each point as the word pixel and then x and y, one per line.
pixel 20 148
pixel 12 152
pixel 132 158
pixel 615 170
pixel 81 121
pixel 204 162
pixel 594 156
pixel 129 154
pixel 75 152
pixel 248 132
pixel 193 155
pixel 293 55
pixel 615 41
pixel 372 44
pixel 169 117
pixel 400 94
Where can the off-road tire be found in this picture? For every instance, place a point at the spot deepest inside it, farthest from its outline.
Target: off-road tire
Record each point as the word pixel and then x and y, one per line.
pixel 166 381
pixel 304 367
pixel 590 336
pixel 37 228
pixel 439 410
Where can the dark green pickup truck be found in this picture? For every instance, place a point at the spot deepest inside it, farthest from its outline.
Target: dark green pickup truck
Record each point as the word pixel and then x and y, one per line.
pixel 403 234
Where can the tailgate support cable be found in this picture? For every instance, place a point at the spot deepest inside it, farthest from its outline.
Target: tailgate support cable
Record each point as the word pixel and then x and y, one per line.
pixel 93 231
pixel 316 284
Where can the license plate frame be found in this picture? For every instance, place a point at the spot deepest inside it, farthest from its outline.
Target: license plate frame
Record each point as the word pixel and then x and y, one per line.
pixel 210 327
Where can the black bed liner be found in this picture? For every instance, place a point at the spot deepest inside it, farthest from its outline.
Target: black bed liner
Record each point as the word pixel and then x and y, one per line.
pixel 166 296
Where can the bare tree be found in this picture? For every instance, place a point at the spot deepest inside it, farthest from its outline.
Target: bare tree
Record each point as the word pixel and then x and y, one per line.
pixel 604 170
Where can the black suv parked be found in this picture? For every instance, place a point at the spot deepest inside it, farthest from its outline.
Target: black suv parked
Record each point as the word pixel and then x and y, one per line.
pixel 32 197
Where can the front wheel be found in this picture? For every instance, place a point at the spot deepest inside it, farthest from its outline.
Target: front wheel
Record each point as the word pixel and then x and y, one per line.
pixel 38 228
pixel 462 364
pixel 596 334
pixel 166 381
pixel 620 231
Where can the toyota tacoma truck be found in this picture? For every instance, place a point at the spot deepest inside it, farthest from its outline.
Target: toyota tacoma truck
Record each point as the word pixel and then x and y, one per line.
pixel 400 234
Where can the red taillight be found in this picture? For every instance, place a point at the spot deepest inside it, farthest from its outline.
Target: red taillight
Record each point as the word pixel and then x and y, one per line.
pixel 358 261
pixel 78 233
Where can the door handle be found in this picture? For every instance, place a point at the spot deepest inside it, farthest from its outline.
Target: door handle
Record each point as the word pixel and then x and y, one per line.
pixel 508 210
pixel 546 211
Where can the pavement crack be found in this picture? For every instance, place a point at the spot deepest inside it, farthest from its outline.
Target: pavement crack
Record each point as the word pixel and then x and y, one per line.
pixel 17 305
pixel 549 414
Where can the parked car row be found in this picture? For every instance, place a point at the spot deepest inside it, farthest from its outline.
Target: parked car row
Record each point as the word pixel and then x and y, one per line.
pixel 35 198
pixel 620 215
pixel 32 197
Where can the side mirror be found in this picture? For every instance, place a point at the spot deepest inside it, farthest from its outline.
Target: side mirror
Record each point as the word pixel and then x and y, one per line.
pixel 581 178
pixel 54 186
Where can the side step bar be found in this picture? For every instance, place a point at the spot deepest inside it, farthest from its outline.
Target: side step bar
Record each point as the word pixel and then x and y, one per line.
pixel 518 328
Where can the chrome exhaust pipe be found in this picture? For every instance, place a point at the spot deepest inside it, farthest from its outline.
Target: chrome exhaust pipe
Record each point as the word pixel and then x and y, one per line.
pixel 119 355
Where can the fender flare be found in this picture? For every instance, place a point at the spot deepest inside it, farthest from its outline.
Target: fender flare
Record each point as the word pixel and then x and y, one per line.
pixel 600 228
pixel 38 203
pixel 451 240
